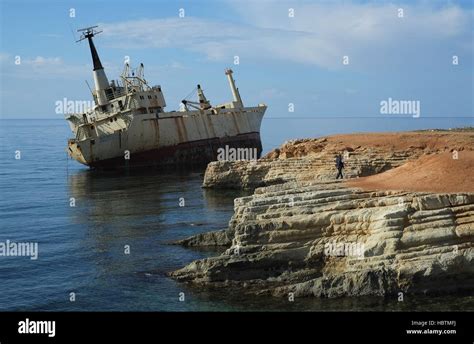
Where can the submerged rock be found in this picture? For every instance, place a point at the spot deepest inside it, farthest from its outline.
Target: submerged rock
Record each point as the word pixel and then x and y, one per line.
pixel 216 238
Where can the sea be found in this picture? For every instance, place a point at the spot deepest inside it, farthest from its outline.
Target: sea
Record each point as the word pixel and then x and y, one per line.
pixel 105 239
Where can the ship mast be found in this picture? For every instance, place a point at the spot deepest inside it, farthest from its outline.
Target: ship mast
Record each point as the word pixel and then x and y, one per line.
pixel 100 79
pixel 235 90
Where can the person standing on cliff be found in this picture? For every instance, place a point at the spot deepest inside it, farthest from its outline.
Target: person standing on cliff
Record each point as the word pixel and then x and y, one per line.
pixel 339 166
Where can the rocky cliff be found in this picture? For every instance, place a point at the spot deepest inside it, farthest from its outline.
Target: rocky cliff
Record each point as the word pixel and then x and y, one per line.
pixel 308 235
pixel 314 159
pixel 329 240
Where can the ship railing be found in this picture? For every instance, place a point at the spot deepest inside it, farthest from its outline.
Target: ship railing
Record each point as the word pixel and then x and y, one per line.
pixel 82 133
pixel 116 93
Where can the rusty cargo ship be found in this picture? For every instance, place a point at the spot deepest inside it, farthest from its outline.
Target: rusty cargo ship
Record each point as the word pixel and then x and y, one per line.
pixel 128 126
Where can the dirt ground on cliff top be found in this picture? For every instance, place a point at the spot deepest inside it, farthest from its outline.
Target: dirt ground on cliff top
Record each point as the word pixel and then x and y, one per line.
pixel 429 141
pixel 408 140
pixel 430 173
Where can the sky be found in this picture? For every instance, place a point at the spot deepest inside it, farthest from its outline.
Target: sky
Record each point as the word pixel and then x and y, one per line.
pixel 289 52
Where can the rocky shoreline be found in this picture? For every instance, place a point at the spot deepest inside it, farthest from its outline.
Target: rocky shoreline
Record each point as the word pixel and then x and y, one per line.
pixel 221 237
pixel 304 234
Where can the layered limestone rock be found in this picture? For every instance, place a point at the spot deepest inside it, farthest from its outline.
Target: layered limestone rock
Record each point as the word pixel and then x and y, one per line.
pixel 320 166
pixel 304 233
pixel 216 238
pixel 329 240
pixel 314 159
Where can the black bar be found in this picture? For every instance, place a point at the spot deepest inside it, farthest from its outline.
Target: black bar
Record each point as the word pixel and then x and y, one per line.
pixel 311 327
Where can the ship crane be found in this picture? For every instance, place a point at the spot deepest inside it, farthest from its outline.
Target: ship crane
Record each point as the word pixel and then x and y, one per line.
pixel 203 103
pixel 134 78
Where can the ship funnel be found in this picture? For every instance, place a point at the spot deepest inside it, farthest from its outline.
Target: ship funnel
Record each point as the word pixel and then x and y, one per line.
pixel 235 90
pixel 100 79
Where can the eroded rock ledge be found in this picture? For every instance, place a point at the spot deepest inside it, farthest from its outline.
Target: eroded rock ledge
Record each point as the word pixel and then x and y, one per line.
pixel 313 159
pixel 416 241
pixel 222 237
pixel 413 242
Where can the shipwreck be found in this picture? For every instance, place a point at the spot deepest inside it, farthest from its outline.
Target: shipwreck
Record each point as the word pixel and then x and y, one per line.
pixel 128 126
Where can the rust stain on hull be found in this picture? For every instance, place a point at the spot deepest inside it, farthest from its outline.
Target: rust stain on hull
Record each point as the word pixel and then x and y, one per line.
pixel 195 153
pixel 183 127
pixel 178 129
pixel 236 124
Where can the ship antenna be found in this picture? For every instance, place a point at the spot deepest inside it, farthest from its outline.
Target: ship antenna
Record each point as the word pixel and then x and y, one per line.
pixel 90 89
pixel 88 33
pixel 72 32
pixel 100 79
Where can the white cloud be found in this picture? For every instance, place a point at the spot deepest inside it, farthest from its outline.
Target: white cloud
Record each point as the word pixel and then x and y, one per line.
pixel 319 34
pixel 41 67
pixel 272 93
pixel 40 61
pixel 51 35
pixel 54 67
pixel 176 65
pixel 4 57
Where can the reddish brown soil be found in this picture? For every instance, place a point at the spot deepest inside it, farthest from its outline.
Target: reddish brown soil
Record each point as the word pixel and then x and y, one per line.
pixel 431 173
pixel 427 141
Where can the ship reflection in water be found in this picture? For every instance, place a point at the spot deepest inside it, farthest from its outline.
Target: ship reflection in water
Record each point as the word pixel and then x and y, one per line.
pixel 150 196
pixel 129 221
pixel 146 205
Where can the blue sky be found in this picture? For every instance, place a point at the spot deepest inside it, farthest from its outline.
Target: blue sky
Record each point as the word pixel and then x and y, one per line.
pixel 282 59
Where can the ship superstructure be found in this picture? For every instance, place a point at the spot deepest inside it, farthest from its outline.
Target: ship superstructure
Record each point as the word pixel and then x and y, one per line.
pixel 128 126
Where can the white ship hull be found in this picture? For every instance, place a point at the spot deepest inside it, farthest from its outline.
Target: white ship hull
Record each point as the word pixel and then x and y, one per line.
pixel 173 138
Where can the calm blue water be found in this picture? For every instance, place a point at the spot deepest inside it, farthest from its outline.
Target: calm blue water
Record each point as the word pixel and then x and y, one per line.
pixel 81 248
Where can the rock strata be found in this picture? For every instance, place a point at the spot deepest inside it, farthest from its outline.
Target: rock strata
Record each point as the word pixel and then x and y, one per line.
pixel 293 238
pixel 314 159
pixel 216 238
pixel 407 225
